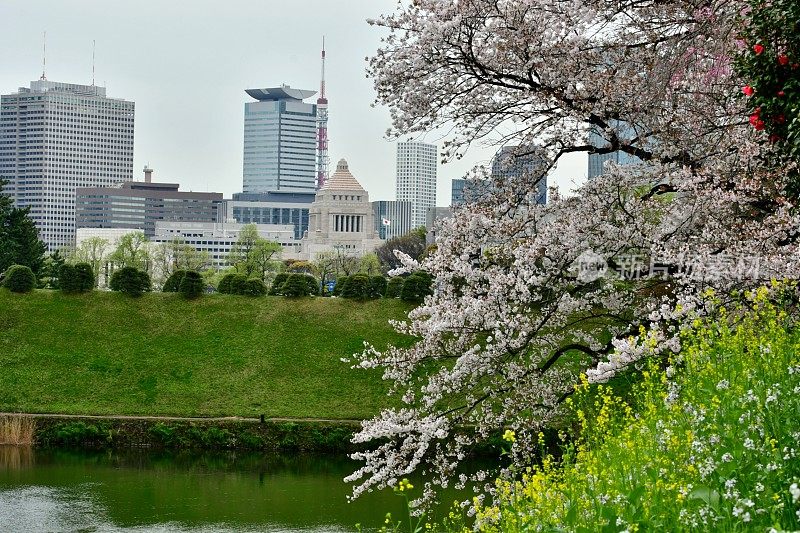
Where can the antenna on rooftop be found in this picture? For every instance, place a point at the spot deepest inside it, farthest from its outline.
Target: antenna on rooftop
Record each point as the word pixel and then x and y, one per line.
pixel 93 47
pixel 44 54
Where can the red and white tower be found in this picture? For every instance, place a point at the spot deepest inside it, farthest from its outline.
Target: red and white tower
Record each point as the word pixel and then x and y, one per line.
pixel 322 128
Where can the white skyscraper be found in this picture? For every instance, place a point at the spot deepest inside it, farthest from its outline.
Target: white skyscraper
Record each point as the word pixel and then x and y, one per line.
pixel 416 178
pixel 280 141
pixel 56 137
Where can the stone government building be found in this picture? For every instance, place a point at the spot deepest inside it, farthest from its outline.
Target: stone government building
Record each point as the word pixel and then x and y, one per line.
pixel 340 218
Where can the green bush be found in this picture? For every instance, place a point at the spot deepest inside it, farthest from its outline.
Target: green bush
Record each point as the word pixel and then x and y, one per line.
pixel 192 285
pixel 357 287
pixel 19 278
pixel 296 285
pixel 313 285
pixel 341 282
pixel 76 278
pixel 394 287
pixel 377 287
pixel 130 281
pixel 416 287
pixel 224 286
pixel 254 287
pixel 173 282
pixel 277 284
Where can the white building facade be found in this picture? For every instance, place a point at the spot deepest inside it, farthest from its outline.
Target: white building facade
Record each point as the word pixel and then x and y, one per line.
pixel 56 137
pixel 416 178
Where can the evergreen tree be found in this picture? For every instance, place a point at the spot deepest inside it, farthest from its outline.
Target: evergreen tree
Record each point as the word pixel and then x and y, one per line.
pixel 19 238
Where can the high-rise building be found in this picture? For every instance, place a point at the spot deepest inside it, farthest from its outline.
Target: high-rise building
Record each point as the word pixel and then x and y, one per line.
pixel 511 161
pixel 56 137
pixel 280 141
pixel 416 178
pixel 140 204
pixel 392 218
pixel 597 161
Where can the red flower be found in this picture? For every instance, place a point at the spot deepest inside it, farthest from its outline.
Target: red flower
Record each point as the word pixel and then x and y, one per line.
pixel 781 93
pixel 748 90
pixel 774 138
pixel 758 49
pixel 754 118
pixel 783 59
pixel 759 125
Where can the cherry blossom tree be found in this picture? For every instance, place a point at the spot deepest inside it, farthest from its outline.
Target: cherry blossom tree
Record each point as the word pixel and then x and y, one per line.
pixel 529 297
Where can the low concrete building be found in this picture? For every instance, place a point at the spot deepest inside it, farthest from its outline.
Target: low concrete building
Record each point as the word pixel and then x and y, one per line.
pixel 218 238
pixel 341 218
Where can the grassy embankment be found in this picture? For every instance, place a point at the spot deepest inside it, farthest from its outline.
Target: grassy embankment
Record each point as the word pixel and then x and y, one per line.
pixel 220 355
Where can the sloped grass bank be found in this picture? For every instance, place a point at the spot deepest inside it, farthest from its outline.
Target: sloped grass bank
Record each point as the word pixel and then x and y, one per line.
pixel 714 447
pixel 219 355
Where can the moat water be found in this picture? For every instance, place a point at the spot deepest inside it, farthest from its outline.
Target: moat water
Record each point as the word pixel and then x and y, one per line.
pixel 147 491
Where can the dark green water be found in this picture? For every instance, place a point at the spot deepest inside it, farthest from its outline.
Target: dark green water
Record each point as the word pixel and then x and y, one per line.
pixel 48 490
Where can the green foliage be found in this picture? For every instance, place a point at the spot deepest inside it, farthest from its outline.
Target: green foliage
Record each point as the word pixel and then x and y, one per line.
pixel 296 285
pixel 416 287
pixel 341 282
pixel 357 287
pixel 377 287
pixel 173 282
pixel 76 434
pixel 51 270
pixel 770 65
pixel 19 238
pixel 130 281
pixel 394 287
pixel 224 286
pixel 192 285
pixel 132 251
pixel 77 278
pixel 313 285
pixel 277 284
pixel 19 278
pixel 254 287
pixel 411 244
pixel 232 284
pixel 710 444
pixel 253 255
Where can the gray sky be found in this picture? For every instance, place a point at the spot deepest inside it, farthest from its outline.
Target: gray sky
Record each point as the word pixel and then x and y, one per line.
pixel 186 65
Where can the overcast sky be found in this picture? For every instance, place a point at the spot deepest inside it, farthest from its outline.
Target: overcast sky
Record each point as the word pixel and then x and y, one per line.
pixel 186 65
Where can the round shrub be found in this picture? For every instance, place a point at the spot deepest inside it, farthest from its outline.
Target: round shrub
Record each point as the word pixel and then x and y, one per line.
pixel 173 282
pixel 130 281
pixel 313 285
pixel 295 286
pixel 377 287
pixel 394 287
pixel 192 285
pixel 238 284
pixel 341 281
pixel 84 277
pixel 278 283
pixel 224 286
pixel 19 278
pixel 357 287
pixel 254 287
pixel 416 287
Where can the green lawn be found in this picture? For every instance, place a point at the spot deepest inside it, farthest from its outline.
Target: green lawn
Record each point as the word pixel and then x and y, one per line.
pixel 220 355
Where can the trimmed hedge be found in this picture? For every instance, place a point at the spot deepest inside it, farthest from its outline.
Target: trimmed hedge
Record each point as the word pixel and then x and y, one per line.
pixel 19 278
pixel 377 287
pixel 130 281
pixel 416 287
pixel 76 278
pixel 254 287
pixel 278 283
pixel 394 287
pixel 341 281
pixel 296 285
pixel 173 282
pixel 192 285
pixel 357 287
pixel 313 285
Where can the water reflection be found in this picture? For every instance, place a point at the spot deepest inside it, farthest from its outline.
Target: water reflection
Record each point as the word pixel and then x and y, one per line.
pixel 140 490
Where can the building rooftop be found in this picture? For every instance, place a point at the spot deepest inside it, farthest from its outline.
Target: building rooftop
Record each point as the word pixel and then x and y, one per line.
pixel 284 92
pixel 342 180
